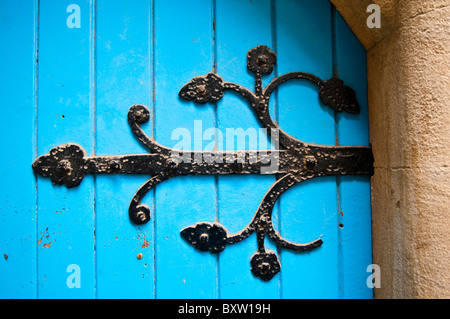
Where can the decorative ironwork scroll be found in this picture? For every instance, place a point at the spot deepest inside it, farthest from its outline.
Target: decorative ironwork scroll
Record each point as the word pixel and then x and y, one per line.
pixel 296 161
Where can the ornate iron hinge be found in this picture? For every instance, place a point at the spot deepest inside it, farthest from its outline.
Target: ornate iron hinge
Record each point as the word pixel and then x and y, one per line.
pixel 295 160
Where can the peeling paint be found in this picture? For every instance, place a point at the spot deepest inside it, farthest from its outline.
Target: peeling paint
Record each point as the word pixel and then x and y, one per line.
pixel 145 244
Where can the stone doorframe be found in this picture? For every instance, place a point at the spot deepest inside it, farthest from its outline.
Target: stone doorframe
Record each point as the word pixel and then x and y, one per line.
pixel 409 115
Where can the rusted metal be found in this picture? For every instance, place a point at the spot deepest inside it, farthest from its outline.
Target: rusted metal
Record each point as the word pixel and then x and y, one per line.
pixel 294 162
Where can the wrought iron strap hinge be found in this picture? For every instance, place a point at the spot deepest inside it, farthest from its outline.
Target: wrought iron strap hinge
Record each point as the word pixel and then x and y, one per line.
pixel 293 162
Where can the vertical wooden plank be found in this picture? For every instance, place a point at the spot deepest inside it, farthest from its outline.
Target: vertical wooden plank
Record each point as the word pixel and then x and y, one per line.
pixel 123 69
pixel 241 26
pixel 308 210
pixel 65 217
pixel 18 25
pixel 183 50
pixel 354 195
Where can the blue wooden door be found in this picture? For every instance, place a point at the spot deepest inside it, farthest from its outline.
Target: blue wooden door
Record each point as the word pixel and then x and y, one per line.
pixel 70 71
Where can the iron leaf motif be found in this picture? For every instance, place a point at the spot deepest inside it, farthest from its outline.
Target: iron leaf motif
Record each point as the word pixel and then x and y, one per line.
pixel 206 237
pixel 203 89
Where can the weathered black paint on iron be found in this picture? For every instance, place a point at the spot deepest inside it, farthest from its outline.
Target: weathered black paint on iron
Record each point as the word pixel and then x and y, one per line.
pixel 296 161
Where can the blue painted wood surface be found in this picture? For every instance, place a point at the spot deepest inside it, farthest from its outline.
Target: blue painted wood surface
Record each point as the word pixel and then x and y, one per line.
pixel 18 271
pixel 308 210
pixel 353 191
pixel 240 26
pixel 65 218
pixel 123 78
pixel 65 84
pixel 183 49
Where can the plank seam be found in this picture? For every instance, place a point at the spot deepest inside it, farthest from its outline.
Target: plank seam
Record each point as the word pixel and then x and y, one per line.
pixel 153 89
pixel 36 121
pixel 340 270
pixel 93 101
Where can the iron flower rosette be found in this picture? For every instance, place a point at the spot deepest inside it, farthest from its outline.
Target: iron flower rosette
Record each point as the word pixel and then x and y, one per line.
pixel 260 60
pixel 64 164
pixel 265 265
